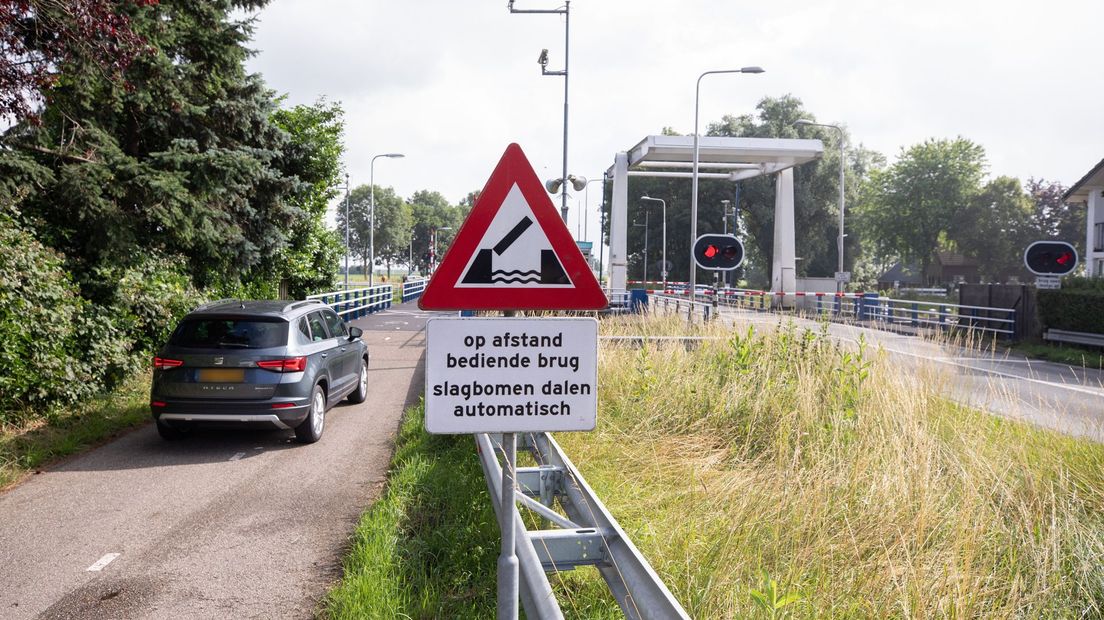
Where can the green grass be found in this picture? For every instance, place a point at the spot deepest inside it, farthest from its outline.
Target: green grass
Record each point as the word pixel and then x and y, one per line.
pixel 764 476
pixel 27 446
pixel 1081 357
pixel 427 548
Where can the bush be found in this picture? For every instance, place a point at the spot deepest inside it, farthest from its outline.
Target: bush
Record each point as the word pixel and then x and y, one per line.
pixel 1078 309
pixel 41 321
pixel 55 346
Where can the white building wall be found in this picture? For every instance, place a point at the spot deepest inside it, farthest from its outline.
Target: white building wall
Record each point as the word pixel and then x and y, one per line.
pixel 1094 259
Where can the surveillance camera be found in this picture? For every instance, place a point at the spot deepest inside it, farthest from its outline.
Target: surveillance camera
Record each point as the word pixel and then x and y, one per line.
pixel 543 59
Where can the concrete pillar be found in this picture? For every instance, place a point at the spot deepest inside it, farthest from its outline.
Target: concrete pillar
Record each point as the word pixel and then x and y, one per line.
pixel 784 265
pixel 619 212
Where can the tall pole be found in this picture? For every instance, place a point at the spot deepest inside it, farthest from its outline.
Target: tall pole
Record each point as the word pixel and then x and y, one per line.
pixel 567 59
pixel 372 213
pixel 662 203
pixel 372 220
pixel 566 12
pixel 346 231
pixel 645 249
pixel 694 176
pixel 843 163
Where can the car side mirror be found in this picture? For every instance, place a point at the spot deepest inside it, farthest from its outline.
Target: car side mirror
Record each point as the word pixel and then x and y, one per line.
pixel 355 332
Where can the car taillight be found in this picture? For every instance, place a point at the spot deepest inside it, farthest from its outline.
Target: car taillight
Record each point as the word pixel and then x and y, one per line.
pixel 291 364
pixel 157 403
pixel 161 363
pixel 283 405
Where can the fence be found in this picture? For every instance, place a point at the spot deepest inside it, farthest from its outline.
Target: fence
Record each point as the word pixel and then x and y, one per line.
pixel 356 303
pixel 413 288
pixel 869 308
pixel 587 536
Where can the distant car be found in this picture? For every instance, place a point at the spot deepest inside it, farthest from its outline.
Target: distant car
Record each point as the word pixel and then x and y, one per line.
pixel 279 364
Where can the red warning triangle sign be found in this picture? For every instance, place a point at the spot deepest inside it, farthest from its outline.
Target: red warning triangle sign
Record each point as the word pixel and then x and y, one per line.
pixel 513 252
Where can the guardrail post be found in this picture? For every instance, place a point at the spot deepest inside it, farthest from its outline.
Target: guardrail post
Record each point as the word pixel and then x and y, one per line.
pixel 839 304
pixel 915 314
pixel 714 306
pixel 942 315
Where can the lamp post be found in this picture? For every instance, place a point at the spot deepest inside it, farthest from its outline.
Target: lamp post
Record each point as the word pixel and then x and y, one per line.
pixel 839 240
pixel 543 61
pixel 372 214
pixel 694 175
pixel 346 231
pixel 664 204
pixel 645 225
pixel 433 263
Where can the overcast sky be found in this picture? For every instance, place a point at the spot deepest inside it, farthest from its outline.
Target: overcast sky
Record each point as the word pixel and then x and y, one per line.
pixel 450 83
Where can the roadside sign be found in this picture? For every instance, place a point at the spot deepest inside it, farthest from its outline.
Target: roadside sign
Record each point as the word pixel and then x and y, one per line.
pixel 1048 282
pixel 507 375
pixel 843 276
pixel 513 252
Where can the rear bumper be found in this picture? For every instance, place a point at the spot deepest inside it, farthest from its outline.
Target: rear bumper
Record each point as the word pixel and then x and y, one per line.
pixel 234 412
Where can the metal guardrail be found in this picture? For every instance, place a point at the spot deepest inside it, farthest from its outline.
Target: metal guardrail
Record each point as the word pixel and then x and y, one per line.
pixel 356 303
pixel 1062 335
pixel 587 536
pixel 413 288
pixel 707 307
pixel 875 309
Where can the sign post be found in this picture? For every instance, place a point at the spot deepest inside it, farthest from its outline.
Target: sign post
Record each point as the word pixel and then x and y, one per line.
pixel 511 375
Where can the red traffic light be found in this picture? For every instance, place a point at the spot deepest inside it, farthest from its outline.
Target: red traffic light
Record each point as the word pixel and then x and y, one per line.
pixel 1050 258
pixel 718 252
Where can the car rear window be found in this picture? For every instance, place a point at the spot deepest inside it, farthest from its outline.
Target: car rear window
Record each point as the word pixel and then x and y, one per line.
pixel 230 333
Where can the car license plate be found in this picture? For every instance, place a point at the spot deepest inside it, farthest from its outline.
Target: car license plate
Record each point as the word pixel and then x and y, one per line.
pixel 222 375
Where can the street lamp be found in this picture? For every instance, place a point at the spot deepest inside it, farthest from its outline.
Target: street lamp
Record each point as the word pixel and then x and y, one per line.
pixel 664 204
pixel 372 214
pixel 346 231
pixel 839 240
pixel 433 261
pixel 542 60
pixel 694 176
pixel 645 225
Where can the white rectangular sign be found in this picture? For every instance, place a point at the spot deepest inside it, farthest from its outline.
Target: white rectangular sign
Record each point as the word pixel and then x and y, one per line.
pixel 506 375
pixel 1048 282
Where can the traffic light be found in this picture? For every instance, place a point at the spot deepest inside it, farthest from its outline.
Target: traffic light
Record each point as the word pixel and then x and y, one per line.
pixel 1050 258
pixel 718 252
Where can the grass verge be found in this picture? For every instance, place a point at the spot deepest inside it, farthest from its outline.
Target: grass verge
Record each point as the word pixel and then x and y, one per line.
pixel 1073 355
pixel 428 547
pixel 28 446
pixel 763 476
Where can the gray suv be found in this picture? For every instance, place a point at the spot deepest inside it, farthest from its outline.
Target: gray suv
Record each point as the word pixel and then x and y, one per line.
pixel 270 363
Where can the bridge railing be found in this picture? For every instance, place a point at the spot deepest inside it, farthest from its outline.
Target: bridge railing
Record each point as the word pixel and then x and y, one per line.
pixel 355 303
pixel 875 310
pixel 413 288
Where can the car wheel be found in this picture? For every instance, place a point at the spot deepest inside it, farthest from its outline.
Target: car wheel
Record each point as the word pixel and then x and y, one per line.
pixel 169 433
pixel 361 392
pixel 310 430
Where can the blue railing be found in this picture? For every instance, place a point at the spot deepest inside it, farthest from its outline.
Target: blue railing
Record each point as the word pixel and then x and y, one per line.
pixel 355 303
pixel 413 288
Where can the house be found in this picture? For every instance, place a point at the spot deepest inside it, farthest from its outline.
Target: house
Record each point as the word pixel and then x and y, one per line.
pixel 1089 191
pixel 901 276
pixel 951 268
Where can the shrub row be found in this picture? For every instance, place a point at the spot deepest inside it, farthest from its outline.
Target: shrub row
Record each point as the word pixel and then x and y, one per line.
pixel 55 346
pixel 1073 309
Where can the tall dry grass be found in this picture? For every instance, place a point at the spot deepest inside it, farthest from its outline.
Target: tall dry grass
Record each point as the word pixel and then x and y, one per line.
pixel 845 477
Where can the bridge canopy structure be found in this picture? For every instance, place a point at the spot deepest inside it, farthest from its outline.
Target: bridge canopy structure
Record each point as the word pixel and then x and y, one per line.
pixel 722 158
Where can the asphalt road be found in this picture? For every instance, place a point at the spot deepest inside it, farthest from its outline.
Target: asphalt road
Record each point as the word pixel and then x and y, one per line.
pixel 1056 396
pixel 244 524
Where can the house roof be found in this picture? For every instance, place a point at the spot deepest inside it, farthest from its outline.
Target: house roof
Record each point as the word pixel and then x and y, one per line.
pixel 1080 190
pixel 954 259
pixel 905 274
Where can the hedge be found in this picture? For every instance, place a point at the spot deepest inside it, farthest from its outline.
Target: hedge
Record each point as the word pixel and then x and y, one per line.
pixel 1078 310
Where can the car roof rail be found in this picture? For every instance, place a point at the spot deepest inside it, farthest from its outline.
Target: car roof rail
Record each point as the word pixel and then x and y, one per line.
pixel 210 304
pixel 299 304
